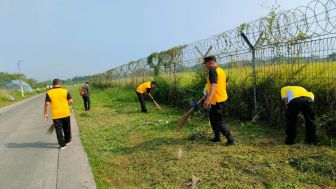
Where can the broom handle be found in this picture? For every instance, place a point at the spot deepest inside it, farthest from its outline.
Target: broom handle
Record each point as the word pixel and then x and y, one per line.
pixel 154 101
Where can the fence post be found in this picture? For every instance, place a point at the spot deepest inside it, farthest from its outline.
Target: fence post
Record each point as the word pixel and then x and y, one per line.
pixel 253 49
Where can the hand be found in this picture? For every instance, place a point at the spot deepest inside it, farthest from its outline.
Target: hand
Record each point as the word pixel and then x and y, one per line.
pixel 206 104
pixel 46 116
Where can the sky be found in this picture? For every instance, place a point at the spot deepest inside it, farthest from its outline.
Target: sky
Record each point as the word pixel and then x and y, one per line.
pixel 67 38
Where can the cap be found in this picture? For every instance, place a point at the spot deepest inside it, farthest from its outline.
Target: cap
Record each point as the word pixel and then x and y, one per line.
pixel 209 58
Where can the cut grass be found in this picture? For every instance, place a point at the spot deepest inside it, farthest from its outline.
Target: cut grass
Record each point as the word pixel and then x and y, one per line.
pixel 128 149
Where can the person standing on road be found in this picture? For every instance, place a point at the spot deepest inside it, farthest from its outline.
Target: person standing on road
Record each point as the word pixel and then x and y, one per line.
pixel 59 100
pixel 85 92
pixel 216 97
pixel 297 99
pixel 142 90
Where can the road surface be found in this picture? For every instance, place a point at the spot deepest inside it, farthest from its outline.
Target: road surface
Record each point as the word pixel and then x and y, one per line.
pixel 29 158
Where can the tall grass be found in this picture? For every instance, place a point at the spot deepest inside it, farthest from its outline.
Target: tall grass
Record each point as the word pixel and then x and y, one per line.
pixel 316 77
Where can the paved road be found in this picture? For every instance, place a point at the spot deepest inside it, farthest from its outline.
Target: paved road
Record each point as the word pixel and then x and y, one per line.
pixel 29 158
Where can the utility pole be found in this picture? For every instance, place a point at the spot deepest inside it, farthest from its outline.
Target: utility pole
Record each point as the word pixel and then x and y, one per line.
pixel 20 77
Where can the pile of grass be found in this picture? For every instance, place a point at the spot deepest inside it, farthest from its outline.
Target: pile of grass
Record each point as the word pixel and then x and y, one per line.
pixel 129 149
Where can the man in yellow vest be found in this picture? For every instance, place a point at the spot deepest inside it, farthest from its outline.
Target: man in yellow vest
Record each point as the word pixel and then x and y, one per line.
pixel 298 99
pixel 59 100
pixel 142 90
pixel 216 97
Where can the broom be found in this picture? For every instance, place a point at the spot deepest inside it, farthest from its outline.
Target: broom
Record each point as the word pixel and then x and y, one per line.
pixel 51 129
pixel 156 104
pixel 186 116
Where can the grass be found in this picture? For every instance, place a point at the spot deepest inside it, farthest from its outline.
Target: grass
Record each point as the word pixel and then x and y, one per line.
pixel 6 95
pixel 128 149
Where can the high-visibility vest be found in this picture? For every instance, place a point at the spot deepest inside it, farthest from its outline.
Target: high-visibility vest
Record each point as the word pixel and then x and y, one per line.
pixel 59 103
pixel 292 92
pixel 143 87
pixel 220 93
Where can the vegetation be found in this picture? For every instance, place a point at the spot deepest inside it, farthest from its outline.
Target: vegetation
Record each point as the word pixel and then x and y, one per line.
pixel 129 149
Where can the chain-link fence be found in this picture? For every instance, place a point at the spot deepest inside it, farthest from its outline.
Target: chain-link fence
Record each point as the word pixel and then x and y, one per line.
pixel 296 47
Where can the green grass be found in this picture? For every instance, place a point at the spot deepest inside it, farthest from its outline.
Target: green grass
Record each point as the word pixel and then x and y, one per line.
pixel 128 149
pixel 4 100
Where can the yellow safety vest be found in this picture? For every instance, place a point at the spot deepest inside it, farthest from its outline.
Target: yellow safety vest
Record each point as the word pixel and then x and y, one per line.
pixel 59 103
pixel 143 87
pixel 220 93
pixel 292 92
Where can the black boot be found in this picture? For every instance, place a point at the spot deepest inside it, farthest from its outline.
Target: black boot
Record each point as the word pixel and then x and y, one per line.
pixel 215 140
pixel 217 137
pixel 230 140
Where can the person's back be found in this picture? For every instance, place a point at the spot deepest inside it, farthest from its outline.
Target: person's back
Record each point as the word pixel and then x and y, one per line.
pixel 85 92
pixel 86 89
pixel 59 103
pixel 59 100
pixel 298 100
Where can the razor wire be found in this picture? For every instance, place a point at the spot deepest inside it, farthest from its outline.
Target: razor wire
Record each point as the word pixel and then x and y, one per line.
pixel 315 21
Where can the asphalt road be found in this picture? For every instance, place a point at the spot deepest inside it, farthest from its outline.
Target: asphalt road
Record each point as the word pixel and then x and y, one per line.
pixel 29 158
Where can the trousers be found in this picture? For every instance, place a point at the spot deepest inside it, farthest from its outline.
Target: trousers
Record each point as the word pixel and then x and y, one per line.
pixel 217 122
pixel 62 125
pixel 295 106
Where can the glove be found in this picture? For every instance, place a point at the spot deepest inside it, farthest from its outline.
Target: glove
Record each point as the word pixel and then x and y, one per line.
pixel 195 106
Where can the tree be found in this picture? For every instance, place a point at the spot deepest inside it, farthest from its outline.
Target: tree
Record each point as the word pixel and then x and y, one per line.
pixel 332 56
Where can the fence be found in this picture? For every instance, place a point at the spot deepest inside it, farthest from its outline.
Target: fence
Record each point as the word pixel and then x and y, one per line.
pixel 297 46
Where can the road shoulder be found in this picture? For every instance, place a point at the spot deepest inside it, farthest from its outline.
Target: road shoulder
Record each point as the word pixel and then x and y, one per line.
pixel 73 167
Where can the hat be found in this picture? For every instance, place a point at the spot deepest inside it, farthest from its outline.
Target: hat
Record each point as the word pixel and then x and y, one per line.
pixel 209 58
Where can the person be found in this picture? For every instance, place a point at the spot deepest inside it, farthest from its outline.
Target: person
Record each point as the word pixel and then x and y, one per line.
pixel 59 100
pixel 215 99
pixel 297 99
pixel 85 92
pixel 38 90
pixel 142 90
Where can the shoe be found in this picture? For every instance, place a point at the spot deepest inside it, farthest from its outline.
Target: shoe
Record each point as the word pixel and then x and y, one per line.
pixel 63 147
pixel 69 142
pixel 229 143
pixel 215 140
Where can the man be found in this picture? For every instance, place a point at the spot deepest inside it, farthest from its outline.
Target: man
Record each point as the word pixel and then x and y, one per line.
pixel 216 97
pixel 85 92
pixel 59 100
pixel 298 99
pixel 142 90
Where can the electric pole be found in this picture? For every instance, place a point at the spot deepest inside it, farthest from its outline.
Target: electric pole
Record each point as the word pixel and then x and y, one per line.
pixel 20 77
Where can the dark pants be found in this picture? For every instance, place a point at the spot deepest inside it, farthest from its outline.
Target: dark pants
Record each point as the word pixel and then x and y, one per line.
pixel 62 125
pixel 86 100
pixel 141 98
pixel 295 106
pixel 217 122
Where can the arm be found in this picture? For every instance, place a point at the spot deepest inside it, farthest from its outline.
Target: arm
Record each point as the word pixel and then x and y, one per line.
pixel 286 102
pixel 70 102
pixel 213 77
pixel 69 98
pixel 210 95
pixel 46 106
